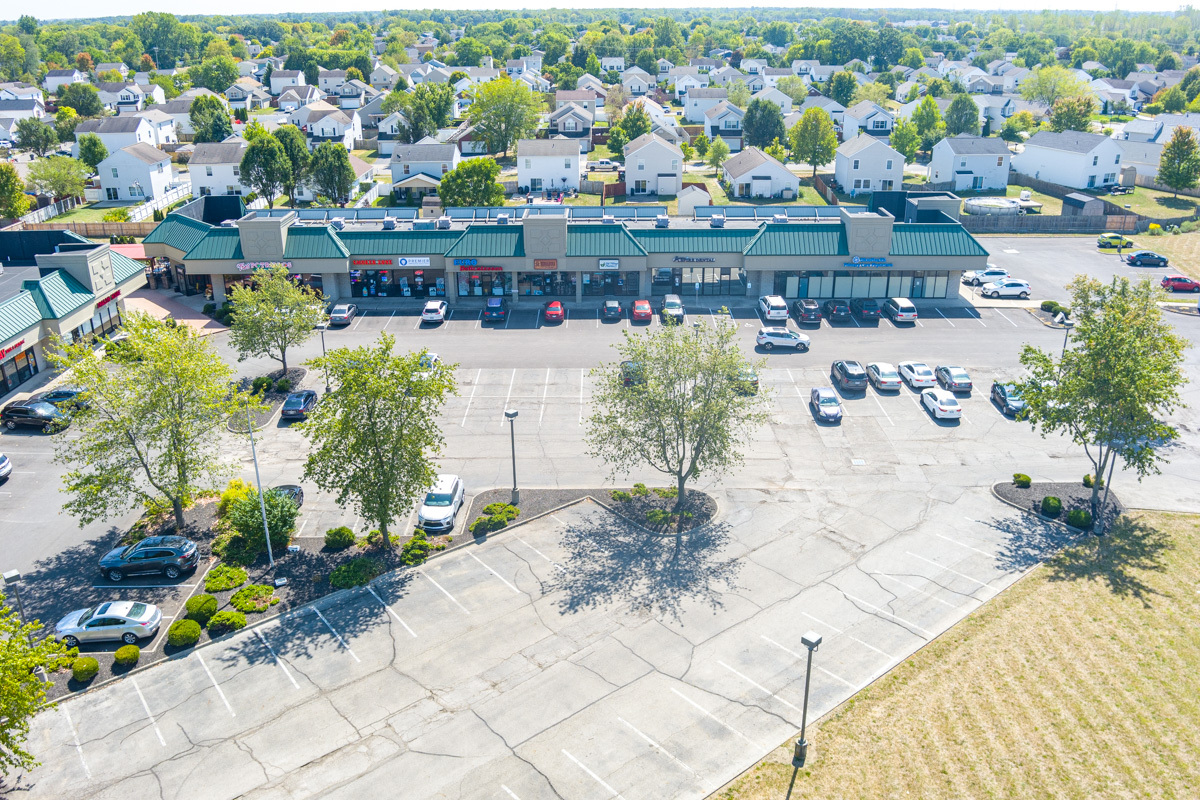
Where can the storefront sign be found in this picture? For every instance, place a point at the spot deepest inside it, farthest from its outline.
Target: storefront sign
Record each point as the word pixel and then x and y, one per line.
pixel 413 261
pixel 693 260
pixel 473 268
pixel 610 263
pixel 11 348
pixel 247 266
pixel 545 263
pixel 465 262
pixel 371 262
pixel 868 263
pixel 109 299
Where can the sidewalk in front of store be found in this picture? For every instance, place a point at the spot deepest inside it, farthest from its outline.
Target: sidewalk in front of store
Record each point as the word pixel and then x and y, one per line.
pixel 164 303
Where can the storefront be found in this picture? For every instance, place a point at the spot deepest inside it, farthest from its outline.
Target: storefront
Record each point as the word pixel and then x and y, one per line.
pixel 546 284
pixel 105 319
pixel 848 284
pixel 481 280
pixel 396 277
pixel 18 363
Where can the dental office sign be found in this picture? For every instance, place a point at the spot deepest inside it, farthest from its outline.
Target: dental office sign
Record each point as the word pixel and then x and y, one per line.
pixel 250 266
pixel 862 262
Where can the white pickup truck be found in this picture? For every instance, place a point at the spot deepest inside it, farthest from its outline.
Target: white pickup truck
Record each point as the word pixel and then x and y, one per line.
pixel 602 164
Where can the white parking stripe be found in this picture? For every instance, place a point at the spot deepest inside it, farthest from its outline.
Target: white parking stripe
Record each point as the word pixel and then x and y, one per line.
pixel 566 317
pixel 943 316
pixel 395 616
pixel 758 686
pixel 78 747
pixel 960 544
pixel 951 571
pixel 799 657
pixel 539 552
pixel 509 792
pixel 545 391
pixel 701 709
pixel 927 592
pixel 146 706
pixel 474 386
pixel 389 321
pixel 884 410
pixel 582 375
pixel 497 574
pixel 663 750
pixel 877 610
pixel 595 777
pixel 1001 313
pixel 336 635
pixel 508 397
pixel 216 686
pixel 848 636
pixel 278 662
pixel 443 591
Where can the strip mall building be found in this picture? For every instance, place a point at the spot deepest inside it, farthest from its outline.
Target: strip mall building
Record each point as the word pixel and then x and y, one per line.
pixel 903 245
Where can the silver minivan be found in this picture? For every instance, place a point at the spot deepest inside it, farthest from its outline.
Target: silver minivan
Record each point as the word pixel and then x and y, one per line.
pixel 441 505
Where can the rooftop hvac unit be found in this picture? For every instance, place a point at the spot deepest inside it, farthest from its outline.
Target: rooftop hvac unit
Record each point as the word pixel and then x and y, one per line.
pixel 228 223
pixel 608 219
pixel 443 223
pixel 662 221
pixel 423 225
pixel 338 222
pixel 779 218
pixel 502 219
pixel 716 221
pixel 389 223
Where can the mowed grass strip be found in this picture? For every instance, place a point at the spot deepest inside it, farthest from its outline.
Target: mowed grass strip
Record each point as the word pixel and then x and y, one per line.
pixel 1081 681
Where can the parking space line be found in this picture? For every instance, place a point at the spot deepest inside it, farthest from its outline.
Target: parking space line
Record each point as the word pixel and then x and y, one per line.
pixel 850 636
pixel 545 391
pixel 278 661
pixel 336 635
pixel 300 532
pixel 919 323
pixel 474 386
pixel 597 318
pixel 884 410
pixel 979 317
pixel 395 616
pixel 508 397
pixel 539 552
pixel 497 574
pixel 78 747
pixel 708 714
pixel 960 544
pixel 595 777
pixel 911 586
pixel 216 686
pixel 793 380
pixel 663 750
pixel 509 792
pixel 389 321
pixel 799 657
pixel 1010 322
pixel 582 375
pixel 508 318
pixel 951 571
pixel 146 706
pixel 877 610
pixel 360 319
pixel 928 417
pixel 443 591
pixel 943 316
pixel 819 622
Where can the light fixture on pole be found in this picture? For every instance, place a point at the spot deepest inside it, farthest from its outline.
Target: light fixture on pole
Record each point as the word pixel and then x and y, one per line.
pixel 262 502
pixel 811 640
pixel 323 326
pixel 511 416
pixel 12 578
pixel 1067 324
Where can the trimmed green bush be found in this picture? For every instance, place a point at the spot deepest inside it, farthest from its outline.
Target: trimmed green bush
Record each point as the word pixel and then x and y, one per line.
pixel 1078 518
pixel 620 496
pixel 355 572
pixel 416 549
pixel 283 386
pixel 1022 481
pixel 374 538
pixel 223 577
pixel 667 494
pixel 505 510
pixel 1051 506
pixel 184 633
pixel 261 385
pixel 1050 305
pixel 210 308
pixel 488 524
pixel 128 655
pixel 201 608
pixel 339 538
pixel 658 516
pixel 252 599
pixel 225 622
pixel 236 489
pixel 1090 482
pixel 640 490
pixel 84 669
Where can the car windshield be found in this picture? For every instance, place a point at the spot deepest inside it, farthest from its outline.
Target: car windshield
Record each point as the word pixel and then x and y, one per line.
pixel 493 302
pixel 888 373
pixel 958 374
pixel 828 400
pixel 947 400
pixel 431 306
pixel 43 409
pixel 340 309
pixel 294 401
pixel 86 615
pixel 428 360
pixel 438 499
pixel 138 610
pixel 922 370
pixel 673 304
pixel 853 369
pixel 1012 392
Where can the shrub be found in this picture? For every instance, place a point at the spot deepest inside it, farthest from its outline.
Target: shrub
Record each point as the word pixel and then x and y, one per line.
pixel 339 538
pixel 1051 506
pixel 1050 305
pixel 1155 229
pixel 255 598
pixel 223 577
pixel 621 497
pixel 1078 518
pixel 355 572
pixel 505 510
pixel 84 669
pixel 416 549
pixel 667 494
pixel 225 622
pixel 283 386
pixel 201 608
pixel 261 385
pixel 1090 482
pixel 640 490
pixel 488 524
pixel 116 215
pixel 184 633
pixel 246 541
pixel 127 655
pixel 658 516
pixel 1022 481
pixel 236 489
pixel 374 538
pixel 210 308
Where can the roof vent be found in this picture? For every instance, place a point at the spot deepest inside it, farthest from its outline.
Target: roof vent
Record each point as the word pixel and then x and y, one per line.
pixel 423 224
pixel 227 223
pixel 502 219
pixel 338 222
pixel 662 221
pixel 389 223
pixel 443 223
pixel 716 221
pixel 779 218
pixel 608 219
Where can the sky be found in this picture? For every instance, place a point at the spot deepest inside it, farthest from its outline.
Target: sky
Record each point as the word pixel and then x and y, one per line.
pixel 92 8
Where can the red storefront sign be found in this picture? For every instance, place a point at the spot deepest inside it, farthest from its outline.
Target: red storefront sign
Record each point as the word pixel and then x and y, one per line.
pixel 545 263
pixel 5 351
pixel 481 269
pixel 371 262
pixel 109 299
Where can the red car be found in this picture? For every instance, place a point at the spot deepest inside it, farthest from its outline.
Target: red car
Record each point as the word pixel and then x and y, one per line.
pixel 641 311
pixel 553 312
pixel 1180 283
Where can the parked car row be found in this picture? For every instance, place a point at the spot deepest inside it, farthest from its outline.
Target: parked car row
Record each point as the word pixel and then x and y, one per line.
pixel 995 282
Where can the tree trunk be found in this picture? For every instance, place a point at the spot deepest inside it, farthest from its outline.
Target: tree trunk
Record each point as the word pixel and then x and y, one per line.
pixel 283 360
pixel 681 492
pixel 383 529
pixel 177 506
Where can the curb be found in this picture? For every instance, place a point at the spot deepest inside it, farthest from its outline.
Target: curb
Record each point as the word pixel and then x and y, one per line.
pixel 1179 308
pixel 1054 325
pixel 1037 514
pixel 612 510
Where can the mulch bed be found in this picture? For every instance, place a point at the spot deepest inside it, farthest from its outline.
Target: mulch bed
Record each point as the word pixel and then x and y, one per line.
pixel 535 502
pixel 1045 316
pixel 272 400
pixel 700 506
pixel 1073 496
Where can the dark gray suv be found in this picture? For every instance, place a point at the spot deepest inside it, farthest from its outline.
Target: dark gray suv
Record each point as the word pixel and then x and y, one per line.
pixel 168 555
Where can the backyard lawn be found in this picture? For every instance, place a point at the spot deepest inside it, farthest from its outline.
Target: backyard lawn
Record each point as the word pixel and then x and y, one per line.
pixel 1081 681
pixel 1051 206
pixel 1153 203
pixel 92 212
pixel 1182 250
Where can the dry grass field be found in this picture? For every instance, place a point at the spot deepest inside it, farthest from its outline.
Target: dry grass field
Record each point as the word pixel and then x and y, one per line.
pixel 1182 250
pixel 1082 681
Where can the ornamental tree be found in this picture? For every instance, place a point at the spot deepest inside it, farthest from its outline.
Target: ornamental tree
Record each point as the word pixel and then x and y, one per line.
pixel 813 138
pixel 504 111
pixel 92 150
pixel 295 147
pixel 763 123
pixel 265 167
pixel 274 315
pixel 330 172
pixel 472 183
pixel 1179 164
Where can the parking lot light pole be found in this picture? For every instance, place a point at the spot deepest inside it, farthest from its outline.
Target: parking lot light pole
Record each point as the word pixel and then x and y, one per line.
pixel 511 416
pixel 323 326
pixel 262 502
pixel 811 640
pixel 12 578
pixel 1067 325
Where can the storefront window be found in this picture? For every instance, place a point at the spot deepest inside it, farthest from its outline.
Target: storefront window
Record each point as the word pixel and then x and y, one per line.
pixel 16 370
pixel 397 283
pixel 664 281
pixel 850 284
pixel 611 284
pixel 546 284
pixel 483 284
pixel 106 320
pixel 699 281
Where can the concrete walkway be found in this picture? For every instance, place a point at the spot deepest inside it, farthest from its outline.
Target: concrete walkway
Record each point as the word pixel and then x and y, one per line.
pixel 162 304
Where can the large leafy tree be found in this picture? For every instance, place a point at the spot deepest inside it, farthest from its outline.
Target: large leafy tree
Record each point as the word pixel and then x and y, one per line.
pixel 1112 391
pixel 330 172
pixel 763 123
pixel 813 139
pixel 295 147
pixel 92 150
pixel 375 437
pixel 636 121
pixel 718 151
pixel 217 73
pixel 472 183
pixel 684 414
pixel 928 119
pixel 905 138
pixel 266 167
pixel 13 200
pixel 841 87
pixel 210 119
pixel 152 428
pixel 1050 84
pixel 1179 164
pixel 57 176
pixel 274 315
pixel 82 97
pixel 36 136
pixel 22 690
pixel 1072 113
pixel 65 120
pixel 504 111
pixel 962 116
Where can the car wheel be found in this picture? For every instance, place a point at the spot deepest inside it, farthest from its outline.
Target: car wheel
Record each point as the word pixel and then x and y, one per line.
pixel 1024 295
pixel 974 281
pixel 129 638
pixel 70 641
pixel 47 428
pixel 768 346
pixel 11 425
pixel 115 575
pixel 172 572
pixel 803 348
pixel 1137 263
pixel 994 295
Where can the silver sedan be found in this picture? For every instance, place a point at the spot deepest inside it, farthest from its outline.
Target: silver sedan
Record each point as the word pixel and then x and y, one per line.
pixel 109 622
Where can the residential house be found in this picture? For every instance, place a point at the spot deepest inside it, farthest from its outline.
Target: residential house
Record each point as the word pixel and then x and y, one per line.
pixel 162 126
pixel 417 169
pixel 589 82
pixel 216 168
pixel 653 166
pixel 180 109
pixel 112 66
pixel 284 79
pixel 970 163
pixel 700 101
pixel 8 131
pixel 994 109
pixel 330 80
pixel 906 88
pixel 868 117
pixel 833 108
pixel 28 108
pixel 612 64
pixel 706 65
pixel 57 78
pixel 14 90
pixel 515 67
pixel 777 97
pixel 637 81
pixel 322 122
pixel 1014 77
pixel 363 173
pixel 664 67
pixel 821 73
pixel 135 173
pixel 248 95
pixel 802 67
pixel 1143 139
pixel 753 66
pixel 389 131
pixel 548 164
pixel 659 116
pixel 299 96
pixel 906 110
pixel 535 82
pixel 572 121
pixel 1071 158
pixel 756 83
pixel 686 82
pixel 771 75
pixel 726 75
pixel 586 99
pixel 868 164
pixel 985 84
pixel 753 173
pixel 725 120
pixel 115 132
pixel 354 94
pixel 384 77
pixel 128 96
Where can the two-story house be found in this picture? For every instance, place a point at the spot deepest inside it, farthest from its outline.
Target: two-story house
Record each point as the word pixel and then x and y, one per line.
pixel 322 122
pixel 637 81
pixel 612 64
pixel 970 163
pixel 548 164
pixel 868 117
pixel 1071 158
pixel 247 94
pixel 584 98
pixel 57 78
pixel 753 173
pixel 135 173
pixel 700 101
pixel 330 80
pixel 299 96
pixel 417 169
pixel 777 97
pixel 725 120
pixel 284 79
pixel 389 131
pixel 115 132
pixel 162 126
pixel 215 168
pixel 653 165
pixel 354 94
pixel 572 121
pixel 868 164
pixel 384 77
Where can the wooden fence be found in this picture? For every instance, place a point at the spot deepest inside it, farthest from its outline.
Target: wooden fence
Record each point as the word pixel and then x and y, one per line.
pixel 96 230
pixel 1149 183
pixel 1033 223
pixel 824 190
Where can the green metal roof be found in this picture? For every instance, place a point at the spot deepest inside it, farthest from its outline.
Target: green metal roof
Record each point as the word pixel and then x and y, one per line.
pixel 17 314
pixel 318 242
pixel 125 268
pixel 702 240
pixel 601 240
pixel 805 239
pixel 398 243
pixel 489 241
pixel 58 294
pixel 182 233
pixel 218 244
pixel 934 239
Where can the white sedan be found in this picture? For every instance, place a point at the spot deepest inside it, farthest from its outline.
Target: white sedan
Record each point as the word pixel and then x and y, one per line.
pixel 976 277
pixel 770 338
pixel 916 374
pixel 435 311
pixel 883 376
pixel 941 404
pixel 1007 287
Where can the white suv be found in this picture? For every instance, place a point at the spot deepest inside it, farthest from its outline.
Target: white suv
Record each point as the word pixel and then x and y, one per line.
pixel 773 307
pixel 441 505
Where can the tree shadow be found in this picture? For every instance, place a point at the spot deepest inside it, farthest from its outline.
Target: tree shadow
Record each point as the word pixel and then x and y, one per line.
pixel 1029 541
pixel 1120 559
pixel 610 559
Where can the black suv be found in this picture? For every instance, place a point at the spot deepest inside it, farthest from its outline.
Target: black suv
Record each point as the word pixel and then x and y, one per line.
pixel 170 555
pixel 807 310
pixel 837 309
pixel 864 308
pixel 62 397
pixel 848 375
pixel 33 414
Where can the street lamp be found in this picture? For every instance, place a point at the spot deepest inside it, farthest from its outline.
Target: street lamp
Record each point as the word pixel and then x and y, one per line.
pixel 511 416
pixel 323 326
pixel 811 640
pixel 13 577
pixel 1067 324
pixel 262 502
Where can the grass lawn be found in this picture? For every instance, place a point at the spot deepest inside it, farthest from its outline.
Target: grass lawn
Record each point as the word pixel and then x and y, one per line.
pixel 1081 681
pixel 365 155
pixel 1182 250
pixel 600 151
pixel 1153 203
pixel 88 213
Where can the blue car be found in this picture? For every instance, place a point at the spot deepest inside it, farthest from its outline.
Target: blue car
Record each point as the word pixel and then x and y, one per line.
pixel 496 309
